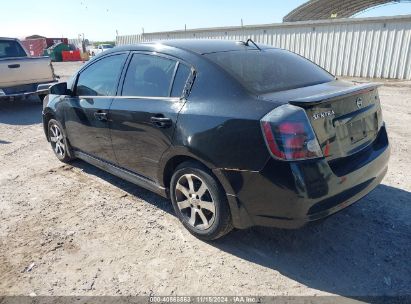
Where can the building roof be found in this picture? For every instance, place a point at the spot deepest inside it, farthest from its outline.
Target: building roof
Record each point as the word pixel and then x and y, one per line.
pixel 329 9
pixel 35 37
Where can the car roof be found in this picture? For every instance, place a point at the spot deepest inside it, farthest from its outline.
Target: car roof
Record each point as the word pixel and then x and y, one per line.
pixel 200 46
pixel 206 46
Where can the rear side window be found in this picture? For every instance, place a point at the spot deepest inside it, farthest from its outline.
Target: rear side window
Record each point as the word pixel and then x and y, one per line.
pixel 180 80
pixel 149 76
pixel 101 78
pixel 270 70
pixel 10 48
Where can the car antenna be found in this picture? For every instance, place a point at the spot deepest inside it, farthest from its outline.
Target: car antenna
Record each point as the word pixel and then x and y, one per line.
pixel 247 43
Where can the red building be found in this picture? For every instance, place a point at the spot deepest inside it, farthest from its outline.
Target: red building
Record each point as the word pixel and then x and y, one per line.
pixel 35 47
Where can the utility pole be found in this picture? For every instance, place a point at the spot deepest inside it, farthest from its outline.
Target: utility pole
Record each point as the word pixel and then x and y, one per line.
pixel 83 44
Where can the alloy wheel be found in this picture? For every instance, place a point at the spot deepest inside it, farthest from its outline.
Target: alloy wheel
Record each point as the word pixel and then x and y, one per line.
pixel 57 140
pixel 195 202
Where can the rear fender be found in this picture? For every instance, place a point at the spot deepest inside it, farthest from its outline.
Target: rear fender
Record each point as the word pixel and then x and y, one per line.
pixel 239 214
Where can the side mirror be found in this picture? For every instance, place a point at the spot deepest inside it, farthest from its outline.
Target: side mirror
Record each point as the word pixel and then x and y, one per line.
pixel 60 89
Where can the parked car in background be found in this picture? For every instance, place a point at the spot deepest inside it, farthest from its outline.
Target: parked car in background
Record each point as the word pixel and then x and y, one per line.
pixel 22 75
pixel 100 49
pixel 235 133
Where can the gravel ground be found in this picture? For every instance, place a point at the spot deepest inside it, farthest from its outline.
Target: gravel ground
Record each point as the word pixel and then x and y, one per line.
pixel 76 230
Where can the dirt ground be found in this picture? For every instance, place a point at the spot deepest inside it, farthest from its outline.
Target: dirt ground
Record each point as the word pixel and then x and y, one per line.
pixel 76 230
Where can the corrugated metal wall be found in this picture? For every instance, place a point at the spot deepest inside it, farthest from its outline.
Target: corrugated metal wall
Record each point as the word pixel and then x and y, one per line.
pixel 76 41
pixel 370 47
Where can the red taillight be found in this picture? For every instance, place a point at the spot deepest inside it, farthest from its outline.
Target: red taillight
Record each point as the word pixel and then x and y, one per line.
pixel 291 127
pixel 269 137
pixel 295 141
pixel 289 135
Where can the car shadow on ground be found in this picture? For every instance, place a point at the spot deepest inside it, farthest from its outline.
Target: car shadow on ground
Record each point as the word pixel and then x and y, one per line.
pixel 364 250
pixel 21 112
pixel 130 188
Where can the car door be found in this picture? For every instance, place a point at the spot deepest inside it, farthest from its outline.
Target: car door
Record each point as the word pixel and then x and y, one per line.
pixel 86 116
pixel 144 117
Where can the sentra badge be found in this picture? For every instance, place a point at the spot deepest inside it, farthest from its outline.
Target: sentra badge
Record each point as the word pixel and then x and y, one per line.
pixel 323 114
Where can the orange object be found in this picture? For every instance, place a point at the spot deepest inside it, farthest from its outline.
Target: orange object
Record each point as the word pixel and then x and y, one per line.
pixel 327 149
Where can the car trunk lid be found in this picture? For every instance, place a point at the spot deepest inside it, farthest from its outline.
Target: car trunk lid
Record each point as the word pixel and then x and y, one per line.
pixel 345 117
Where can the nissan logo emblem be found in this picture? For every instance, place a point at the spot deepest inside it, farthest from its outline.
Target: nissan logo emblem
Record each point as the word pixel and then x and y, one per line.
pixel 359 102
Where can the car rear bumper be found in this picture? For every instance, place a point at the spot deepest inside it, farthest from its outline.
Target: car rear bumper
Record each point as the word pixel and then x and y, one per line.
pixel 25 90
pixel 290 194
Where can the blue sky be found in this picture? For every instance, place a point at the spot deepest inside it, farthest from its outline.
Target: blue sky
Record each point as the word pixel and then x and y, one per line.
pixel 99 19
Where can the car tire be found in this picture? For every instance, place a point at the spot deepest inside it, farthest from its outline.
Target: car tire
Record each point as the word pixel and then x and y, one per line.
pixel 58 141
pixel 200 202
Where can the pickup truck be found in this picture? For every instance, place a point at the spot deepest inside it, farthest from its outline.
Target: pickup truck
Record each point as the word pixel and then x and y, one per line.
pixel 100 49
pixel 22 75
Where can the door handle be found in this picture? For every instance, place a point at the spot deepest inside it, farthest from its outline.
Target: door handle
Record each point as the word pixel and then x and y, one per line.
pixel 161 122
pixel 14 66
pixel 100 115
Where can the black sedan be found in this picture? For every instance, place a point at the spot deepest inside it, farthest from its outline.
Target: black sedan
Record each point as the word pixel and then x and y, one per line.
pixel 236 134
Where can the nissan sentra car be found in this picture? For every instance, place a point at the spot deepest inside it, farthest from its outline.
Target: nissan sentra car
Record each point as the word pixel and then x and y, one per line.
pixel 234 133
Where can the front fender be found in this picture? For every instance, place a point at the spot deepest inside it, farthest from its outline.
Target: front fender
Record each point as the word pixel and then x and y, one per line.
pixel 50 110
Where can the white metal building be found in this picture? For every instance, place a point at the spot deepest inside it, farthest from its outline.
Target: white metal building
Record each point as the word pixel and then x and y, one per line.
pixel 369 47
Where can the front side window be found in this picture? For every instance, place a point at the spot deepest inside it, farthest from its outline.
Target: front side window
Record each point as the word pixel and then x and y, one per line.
pixel 149 76
pixel 11 48
pixel 270 70
pixel 101 78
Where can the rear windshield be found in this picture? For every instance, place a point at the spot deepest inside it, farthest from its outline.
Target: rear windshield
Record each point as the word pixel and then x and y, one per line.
pixel 270 70
pixel 10 48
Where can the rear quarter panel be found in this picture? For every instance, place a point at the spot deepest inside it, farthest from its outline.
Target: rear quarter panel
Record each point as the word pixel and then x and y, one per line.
pixel 220 123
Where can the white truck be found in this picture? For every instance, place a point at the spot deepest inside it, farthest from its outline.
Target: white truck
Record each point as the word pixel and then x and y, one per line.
pixel 22 75
pixel 100 49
